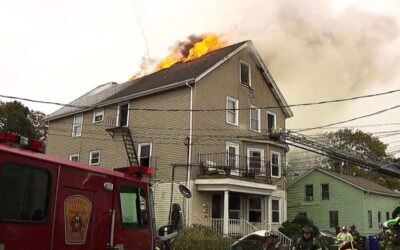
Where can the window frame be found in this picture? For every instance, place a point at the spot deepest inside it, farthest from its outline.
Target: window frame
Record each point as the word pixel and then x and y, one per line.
pixel 142 144
pixel 118 120
pixel 322 192
pixel 236 147
pixel 331 221
pixel 229 111
pixel 91 157
pixel 74 155
pixel 305 192
pixel 96 115
pixel 261 151
pixel 240 73
pixel 75 128
pixel 379 218
pixel 249 209
pixel 370 222
pixel 47 198
pixel 255 108
pixel 278 211
pixel 279 164
pixel 274 126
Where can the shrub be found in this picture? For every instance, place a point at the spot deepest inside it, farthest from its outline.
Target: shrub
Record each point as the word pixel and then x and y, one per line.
pixel 200 237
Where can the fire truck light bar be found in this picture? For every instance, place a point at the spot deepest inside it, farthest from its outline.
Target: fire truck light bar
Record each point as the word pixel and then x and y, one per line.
pixel 135 170
pixel 21 141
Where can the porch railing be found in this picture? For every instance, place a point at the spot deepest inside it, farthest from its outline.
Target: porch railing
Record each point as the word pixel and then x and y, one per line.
pixel 236 227
pixel 235 165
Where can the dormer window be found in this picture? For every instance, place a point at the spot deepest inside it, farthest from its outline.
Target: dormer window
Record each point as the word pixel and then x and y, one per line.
pixel 245 76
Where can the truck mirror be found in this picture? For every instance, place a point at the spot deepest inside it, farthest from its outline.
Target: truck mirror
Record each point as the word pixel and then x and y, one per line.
pixel 185 191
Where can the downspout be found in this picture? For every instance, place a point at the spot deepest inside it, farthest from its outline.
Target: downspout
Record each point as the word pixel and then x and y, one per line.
pixel 188 203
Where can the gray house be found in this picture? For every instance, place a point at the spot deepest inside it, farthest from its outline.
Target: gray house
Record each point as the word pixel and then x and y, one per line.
pixel 331 199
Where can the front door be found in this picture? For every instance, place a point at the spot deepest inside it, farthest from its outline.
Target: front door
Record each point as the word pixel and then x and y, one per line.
pixel 235 214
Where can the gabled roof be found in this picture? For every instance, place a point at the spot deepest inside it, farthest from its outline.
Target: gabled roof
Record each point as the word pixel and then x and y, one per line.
pixel 358 182
pixel 179 75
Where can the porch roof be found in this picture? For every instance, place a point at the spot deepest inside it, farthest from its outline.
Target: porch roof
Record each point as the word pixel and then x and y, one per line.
pixel 234 185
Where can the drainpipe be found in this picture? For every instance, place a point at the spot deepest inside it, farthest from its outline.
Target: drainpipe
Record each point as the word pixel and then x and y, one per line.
pixel 189 158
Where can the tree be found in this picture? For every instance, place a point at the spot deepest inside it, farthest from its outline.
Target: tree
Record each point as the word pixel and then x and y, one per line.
pixel 15 117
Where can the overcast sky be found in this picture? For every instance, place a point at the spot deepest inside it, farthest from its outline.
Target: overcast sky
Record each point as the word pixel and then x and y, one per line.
pixel 315 50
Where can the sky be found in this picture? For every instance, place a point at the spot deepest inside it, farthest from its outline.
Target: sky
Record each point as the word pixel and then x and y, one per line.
pixel 316 50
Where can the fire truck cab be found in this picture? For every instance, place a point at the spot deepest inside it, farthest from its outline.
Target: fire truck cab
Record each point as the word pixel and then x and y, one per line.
pixel 50 203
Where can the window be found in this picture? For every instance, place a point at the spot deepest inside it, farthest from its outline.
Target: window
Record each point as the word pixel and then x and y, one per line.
pixel 255 159
pixel 24 193
pixel 232 112
pixel 325 191
pixel 255 118
pixel 271 122
pixel 245 75
pixel 309 192
pixel 254 209
pixel 98 115
pixel 369 218
pixel 333 219
pixel 379 218
pixel 94 158
pixel 275 164
pixel 275 211
pixel 123 115
pixel 74 157
pixel 133 206
pixel 232 158
pixel 234 207
pixel 144 154
pixel 387 216
pixel 77 125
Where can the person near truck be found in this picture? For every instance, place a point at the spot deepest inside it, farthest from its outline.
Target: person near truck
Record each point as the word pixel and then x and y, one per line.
pixel 307 240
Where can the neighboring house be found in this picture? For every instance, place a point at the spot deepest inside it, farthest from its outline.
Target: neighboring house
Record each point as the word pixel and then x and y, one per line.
pixel 224 156
pixel 330 199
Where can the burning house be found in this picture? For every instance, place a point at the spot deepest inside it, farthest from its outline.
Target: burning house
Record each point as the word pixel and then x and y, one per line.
pixel 201 119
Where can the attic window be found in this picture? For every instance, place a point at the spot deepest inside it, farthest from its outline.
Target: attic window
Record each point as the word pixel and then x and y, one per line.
pixel 245 74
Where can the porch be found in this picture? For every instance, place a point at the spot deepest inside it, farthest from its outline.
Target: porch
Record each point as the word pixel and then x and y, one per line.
pixel 226 164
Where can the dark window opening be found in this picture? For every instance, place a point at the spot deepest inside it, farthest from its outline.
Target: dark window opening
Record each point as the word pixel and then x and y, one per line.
pixel 254 209
pixel 244 74
pixel 133 206
pixel 275 211
pixel 369 218
pixel 271 122
pixel 309 192
pixel 275 164
pixel 325 191
pixel 123 115
pixel 144 158
pixel 333 219
pixel 24 193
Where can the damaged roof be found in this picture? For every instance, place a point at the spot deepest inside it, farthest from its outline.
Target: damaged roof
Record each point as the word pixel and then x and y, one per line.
pixel 178 75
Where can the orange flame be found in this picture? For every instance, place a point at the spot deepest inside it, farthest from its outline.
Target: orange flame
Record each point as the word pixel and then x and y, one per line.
pixel 199 46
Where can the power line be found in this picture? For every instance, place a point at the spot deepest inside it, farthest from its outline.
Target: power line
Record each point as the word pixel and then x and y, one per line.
pixel 205 110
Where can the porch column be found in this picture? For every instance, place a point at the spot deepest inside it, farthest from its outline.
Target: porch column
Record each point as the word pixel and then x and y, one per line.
pixel 226 212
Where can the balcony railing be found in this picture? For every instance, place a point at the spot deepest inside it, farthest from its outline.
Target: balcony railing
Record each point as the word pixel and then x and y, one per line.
pixel 235 165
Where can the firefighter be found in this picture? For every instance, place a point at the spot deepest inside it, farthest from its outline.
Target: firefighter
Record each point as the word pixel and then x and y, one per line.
pixel 385 238
pixel 345 239
pixel 357 239
pixel 307 240
pixel 272 241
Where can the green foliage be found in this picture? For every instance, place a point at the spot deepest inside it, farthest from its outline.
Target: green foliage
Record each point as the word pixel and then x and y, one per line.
pixel 293 228
pixel 15 117
pixel 200 237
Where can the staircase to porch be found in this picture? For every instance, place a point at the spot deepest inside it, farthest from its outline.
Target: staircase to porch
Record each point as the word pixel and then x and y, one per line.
pixel 240 227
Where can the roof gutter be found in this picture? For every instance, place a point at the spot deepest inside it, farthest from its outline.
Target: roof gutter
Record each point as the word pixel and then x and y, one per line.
pixel 126 98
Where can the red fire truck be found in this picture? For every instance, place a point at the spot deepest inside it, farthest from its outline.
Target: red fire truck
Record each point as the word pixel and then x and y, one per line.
pixel 50 203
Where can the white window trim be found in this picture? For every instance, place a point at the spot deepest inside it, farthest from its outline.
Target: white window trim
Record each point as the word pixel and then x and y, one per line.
pixel 74 134
pixel 140 145
pixel 236 146
pixel 279 164
pixel 236 101
pixel 240 73
pixel 262 207
pixel 271 113
pixel 74 155
pixel 280 210
pixel 258 118
pixel 262 167
pixel 90 157
pixel 94 115
pixel 118 114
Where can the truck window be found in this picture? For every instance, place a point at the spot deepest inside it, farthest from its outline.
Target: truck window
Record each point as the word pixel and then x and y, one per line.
pixel 133 206
pixel 24 193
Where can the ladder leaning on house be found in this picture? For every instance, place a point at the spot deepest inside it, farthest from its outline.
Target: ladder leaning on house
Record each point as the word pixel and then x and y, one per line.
pixel 129 144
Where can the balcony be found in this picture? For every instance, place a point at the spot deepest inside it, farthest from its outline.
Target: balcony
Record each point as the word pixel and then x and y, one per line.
pixel 230 165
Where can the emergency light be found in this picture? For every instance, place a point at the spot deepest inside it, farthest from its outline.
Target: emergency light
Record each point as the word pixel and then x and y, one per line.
pixel 21 141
